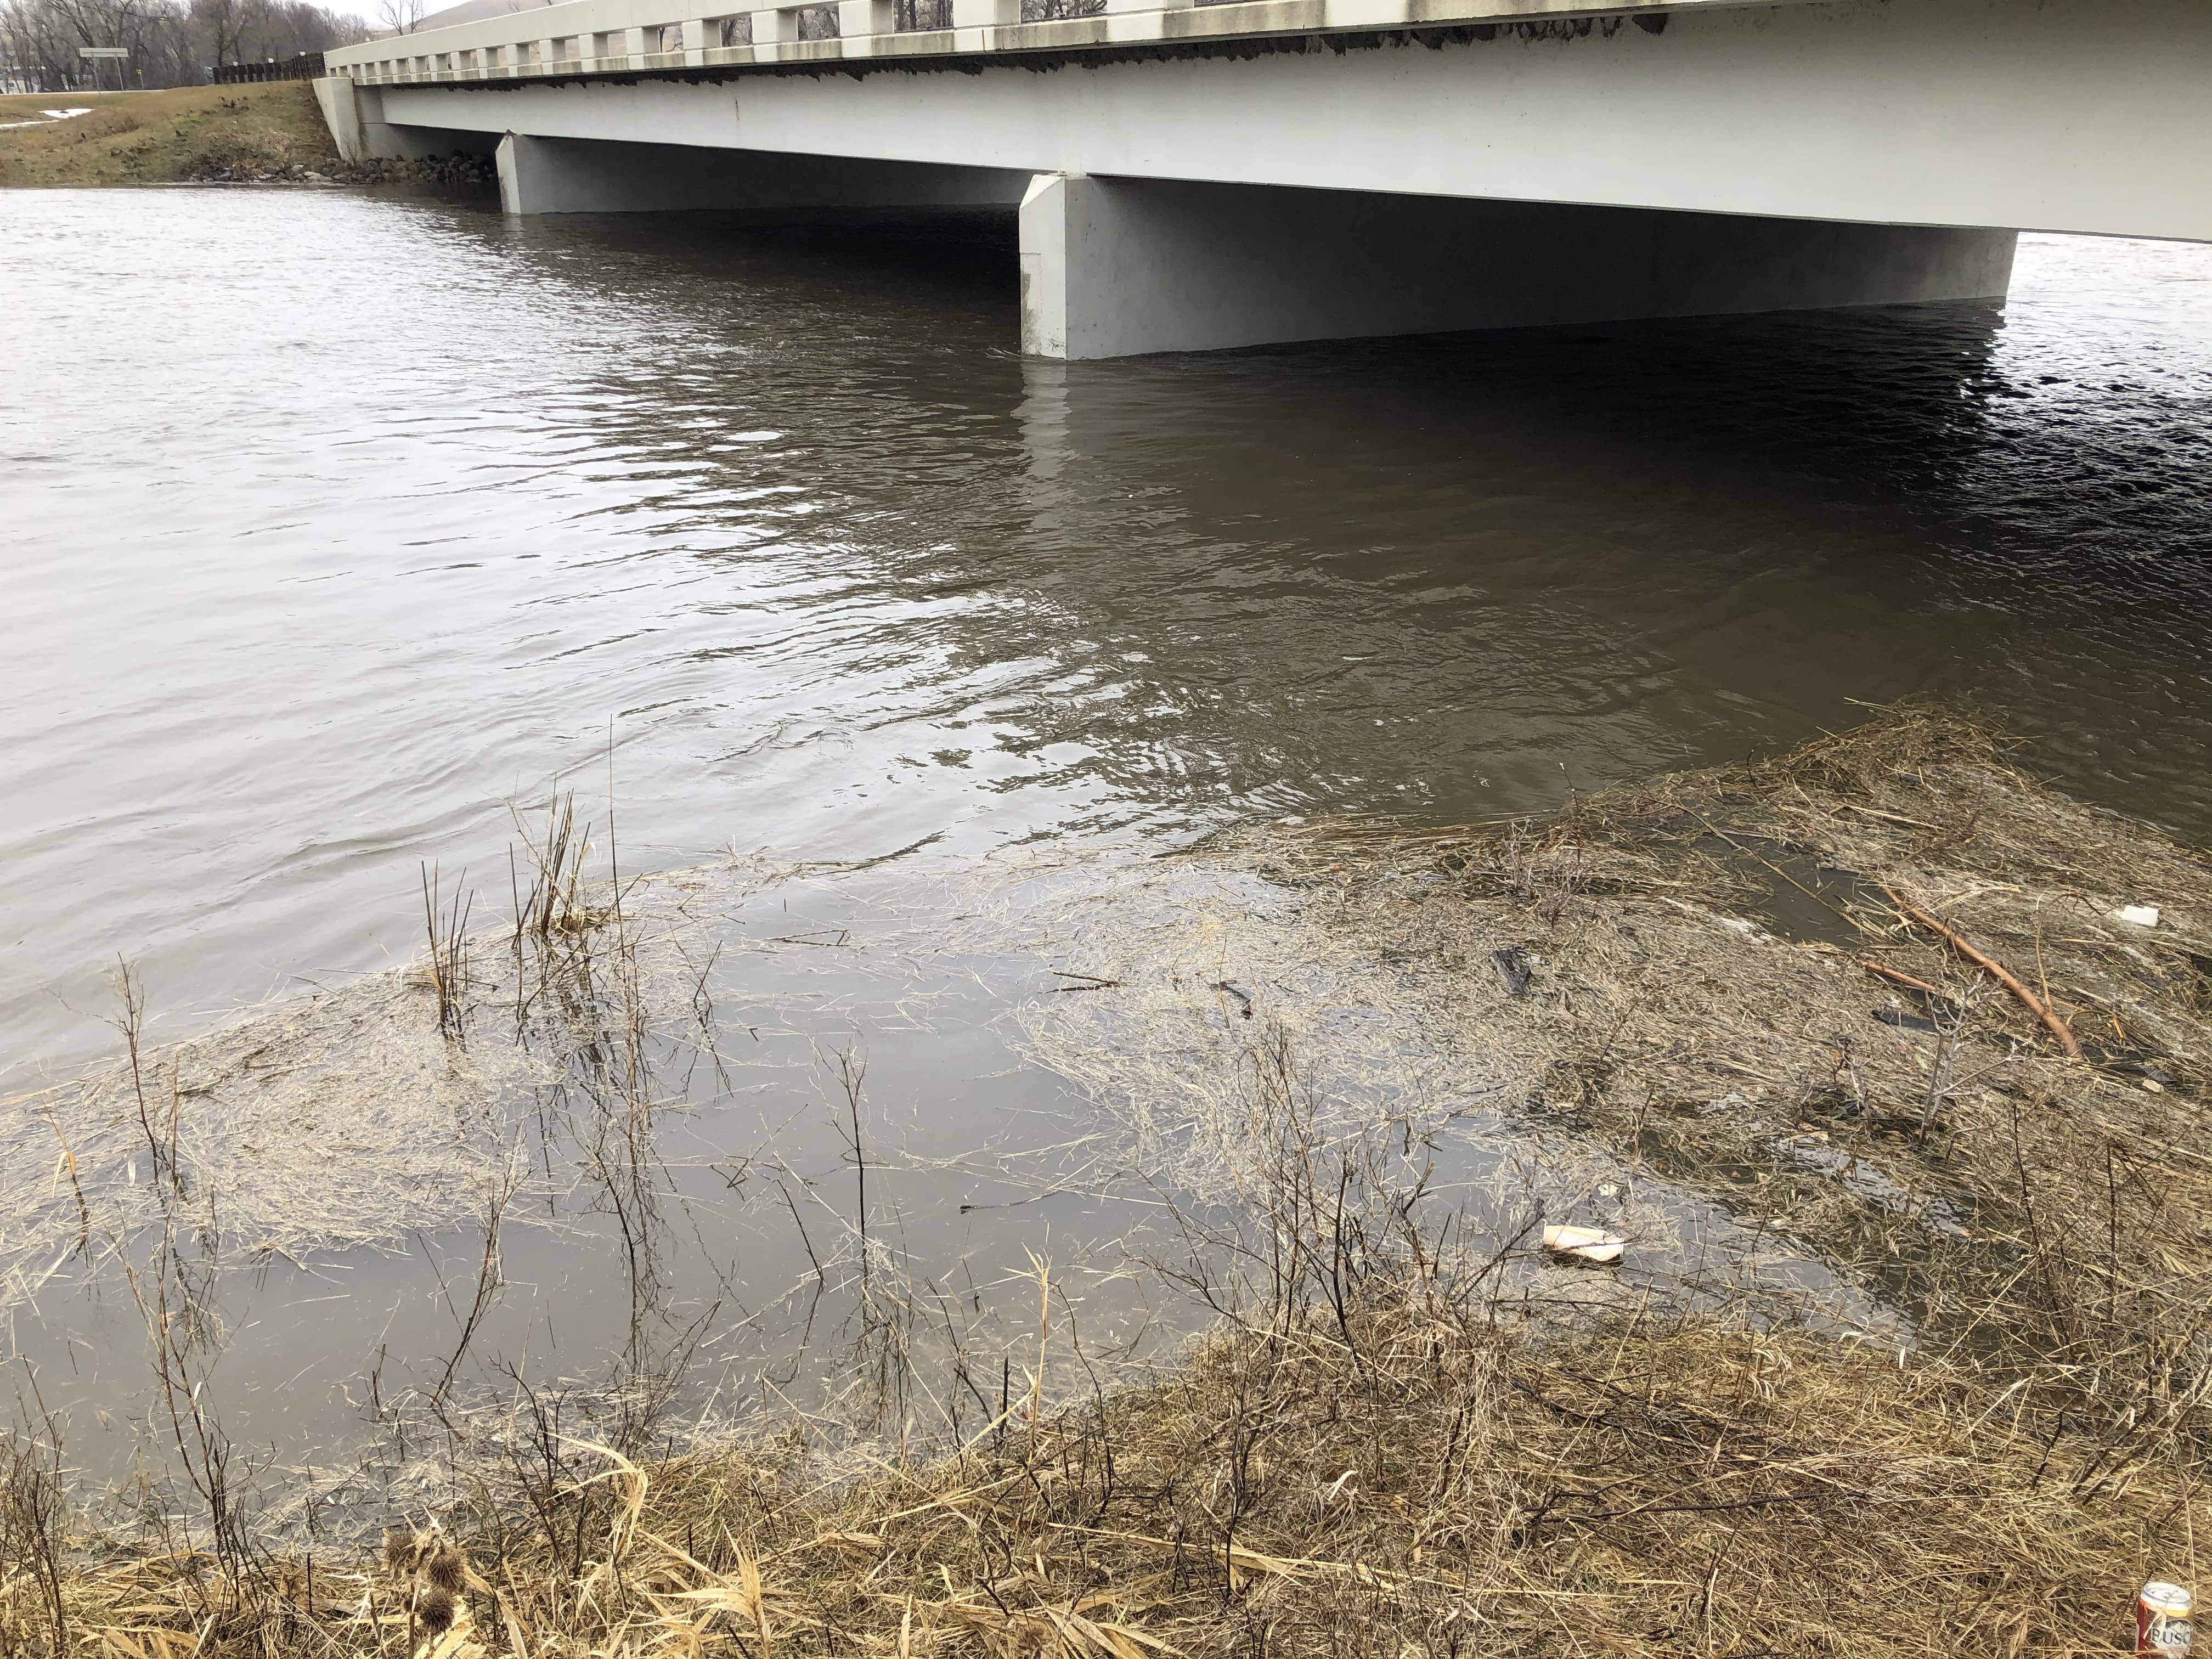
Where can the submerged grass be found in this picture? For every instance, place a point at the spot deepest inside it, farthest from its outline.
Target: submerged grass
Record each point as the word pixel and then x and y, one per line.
pixel 1880 991
pixel 1876 995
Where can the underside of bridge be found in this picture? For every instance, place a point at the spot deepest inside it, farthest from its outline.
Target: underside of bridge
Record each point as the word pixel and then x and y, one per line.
pixel 1117 267
pixel 580 175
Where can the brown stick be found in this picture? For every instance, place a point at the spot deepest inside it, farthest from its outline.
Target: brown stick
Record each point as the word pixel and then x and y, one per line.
pixel 1903 978
pixel 2051 1023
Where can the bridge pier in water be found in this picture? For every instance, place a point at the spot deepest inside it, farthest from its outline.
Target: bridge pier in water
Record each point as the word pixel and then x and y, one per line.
pixel 1120 267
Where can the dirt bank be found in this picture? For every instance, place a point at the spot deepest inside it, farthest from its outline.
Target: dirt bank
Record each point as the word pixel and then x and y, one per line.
pixel 184 135
pixel 1889 999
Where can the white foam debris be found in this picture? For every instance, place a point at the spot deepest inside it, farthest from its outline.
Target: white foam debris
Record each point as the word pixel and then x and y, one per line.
pixel 1589 1243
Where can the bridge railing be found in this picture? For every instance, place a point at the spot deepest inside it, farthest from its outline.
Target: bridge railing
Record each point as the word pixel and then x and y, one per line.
pixel 308 66
pixel 613 36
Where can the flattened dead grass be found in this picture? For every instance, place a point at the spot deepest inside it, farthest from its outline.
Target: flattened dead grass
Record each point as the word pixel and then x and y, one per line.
pixel 1738 974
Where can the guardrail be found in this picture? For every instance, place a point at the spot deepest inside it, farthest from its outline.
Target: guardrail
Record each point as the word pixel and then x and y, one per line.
pixel 307 66
pixel 620 37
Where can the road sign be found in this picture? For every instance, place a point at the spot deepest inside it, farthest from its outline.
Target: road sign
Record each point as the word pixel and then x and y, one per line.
pixel 103 51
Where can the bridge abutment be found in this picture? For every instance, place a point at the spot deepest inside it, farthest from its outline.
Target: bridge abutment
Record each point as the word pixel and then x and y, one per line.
pixel 584 175
pixel 1119 267
pixel 354 115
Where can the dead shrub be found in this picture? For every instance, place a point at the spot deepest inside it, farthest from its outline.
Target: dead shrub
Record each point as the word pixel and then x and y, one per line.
pixel 232 148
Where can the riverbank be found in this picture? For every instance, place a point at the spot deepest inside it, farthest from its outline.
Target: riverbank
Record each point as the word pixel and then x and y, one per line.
pixel 1895 1004
pixel 169 137
pixel 1425 1474
pixel 271 132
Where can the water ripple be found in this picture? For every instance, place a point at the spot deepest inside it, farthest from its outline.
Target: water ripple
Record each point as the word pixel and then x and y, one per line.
pixel 318 556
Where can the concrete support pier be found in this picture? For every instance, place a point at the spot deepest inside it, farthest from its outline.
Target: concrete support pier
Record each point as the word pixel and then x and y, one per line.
pixel 584 175
pixel 1119 267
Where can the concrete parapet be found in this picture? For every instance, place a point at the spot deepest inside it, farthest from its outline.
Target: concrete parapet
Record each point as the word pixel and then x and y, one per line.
pixel 1120 267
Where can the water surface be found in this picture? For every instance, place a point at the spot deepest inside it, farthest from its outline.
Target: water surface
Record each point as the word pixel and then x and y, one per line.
pixel 335 524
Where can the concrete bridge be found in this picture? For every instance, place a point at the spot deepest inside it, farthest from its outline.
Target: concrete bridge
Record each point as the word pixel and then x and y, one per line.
pixel 1197 176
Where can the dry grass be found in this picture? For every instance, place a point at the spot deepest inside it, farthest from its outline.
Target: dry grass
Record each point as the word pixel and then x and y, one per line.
pixel 1399 1440
pixel 1421 1476
pixel 1939 1145
pixel 167 136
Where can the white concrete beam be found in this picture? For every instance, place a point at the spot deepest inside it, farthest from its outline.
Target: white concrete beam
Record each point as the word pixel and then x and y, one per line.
pixel 564 175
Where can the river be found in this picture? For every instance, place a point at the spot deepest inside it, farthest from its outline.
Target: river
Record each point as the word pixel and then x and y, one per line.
pixel 338 524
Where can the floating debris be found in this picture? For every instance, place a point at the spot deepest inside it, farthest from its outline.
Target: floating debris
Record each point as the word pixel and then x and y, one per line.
pixel 1584 1243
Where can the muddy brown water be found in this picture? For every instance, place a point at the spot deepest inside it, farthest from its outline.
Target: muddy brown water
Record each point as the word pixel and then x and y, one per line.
pixel 335 522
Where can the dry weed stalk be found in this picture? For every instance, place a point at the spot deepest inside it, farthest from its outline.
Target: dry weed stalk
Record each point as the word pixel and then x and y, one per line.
pixel 34 1524
pixel 157 1123
pixel 445 922
pixel 490 1275
pixel 555 903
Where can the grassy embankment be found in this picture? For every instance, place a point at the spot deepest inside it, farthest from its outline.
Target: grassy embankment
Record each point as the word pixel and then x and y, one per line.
pixel 1947 1065
pixel 175 136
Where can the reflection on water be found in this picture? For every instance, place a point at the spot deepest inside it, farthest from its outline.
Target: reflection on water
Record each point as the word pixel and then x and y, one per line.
pixel 319 557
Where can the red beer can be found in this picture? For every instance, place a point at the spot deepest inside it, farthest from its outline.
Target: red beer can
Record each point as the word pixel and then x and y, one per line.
pixel 2163 1619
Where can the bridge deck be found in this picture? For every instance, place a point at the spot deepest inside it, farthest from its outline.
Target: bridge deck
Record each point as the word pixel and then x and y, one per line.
pixel 2067 115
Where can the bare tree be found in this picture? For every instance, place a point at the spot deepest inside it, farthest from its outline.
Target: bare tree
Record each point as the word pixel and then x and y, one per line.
pixel 171 42
pixel 221 23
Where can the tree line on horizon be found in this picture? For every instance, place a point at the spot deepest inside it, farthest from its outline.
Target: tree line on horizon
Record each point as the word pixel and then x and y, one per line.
pixel 172 43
